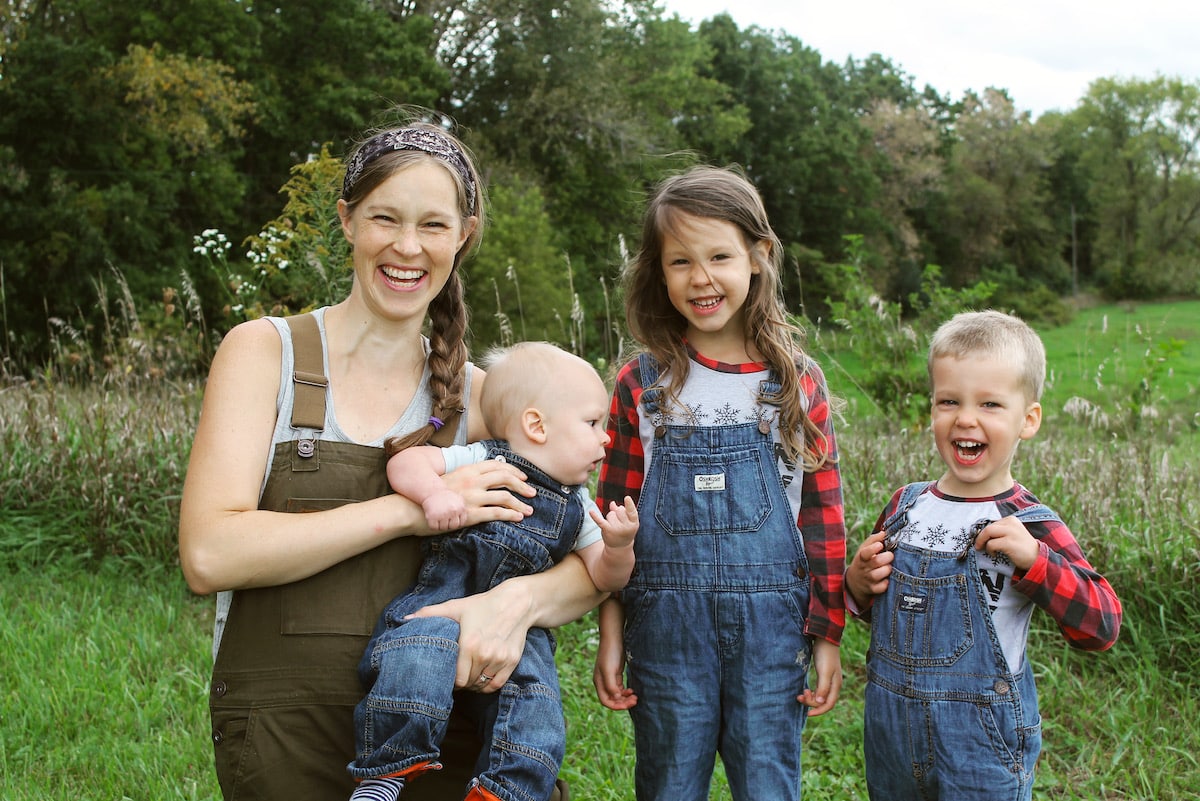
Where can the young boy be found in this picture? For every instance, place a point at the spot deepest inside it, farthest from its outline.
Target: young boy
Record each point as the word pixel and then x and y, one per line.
pixel 950 579
pixel 549 407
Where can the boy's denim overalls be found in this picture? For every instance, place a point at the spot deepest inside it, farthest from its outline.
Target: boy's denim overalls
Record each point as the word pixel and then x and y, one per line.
pixel 945 717
pixel 410 665
pixel 715 611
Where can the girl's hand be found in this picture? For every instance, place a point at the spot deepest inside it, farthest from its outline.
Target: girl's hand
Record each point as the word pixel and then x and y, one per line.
pixel 827 661
pixel 608 677
pixel 608 674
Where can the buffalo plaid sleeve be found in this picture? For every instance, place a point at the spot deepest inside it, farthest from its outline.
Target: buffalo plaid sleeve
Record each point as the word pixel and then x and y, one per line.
pixel 1062 582
pixel 623 468
pixel 822 520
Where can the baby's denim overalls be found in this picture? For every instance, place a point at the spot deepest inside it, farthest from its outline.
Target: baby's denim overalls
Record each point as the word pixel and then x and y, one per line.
pixel 715 615
pixel 410 665
pixel 945 717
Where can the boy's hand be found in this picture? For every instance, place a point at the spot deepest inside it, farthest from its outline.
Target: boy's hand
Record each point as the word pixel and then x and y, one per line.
pixel 868 571
pixel 1009 536
pixel 620 526
pixel 445 510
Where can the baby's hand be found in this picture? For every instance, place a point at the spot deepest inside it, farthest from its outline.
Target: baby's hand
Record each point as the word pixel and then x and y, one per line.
pixel 868 571
pixel 620 526
pixel 1009 536
pixel 445 510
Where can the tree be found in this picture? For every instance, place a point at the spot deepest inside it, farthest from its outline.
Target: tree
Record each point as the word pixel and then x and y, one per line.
pixel 997 213
pixel 111 158
pixel 803 149
pixel 1141 148
pixel 905 149
pixel 581 97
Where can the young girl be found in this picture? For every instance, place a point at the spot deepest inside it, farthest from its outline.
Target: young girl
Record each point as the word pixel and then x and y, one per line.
pixel 721 432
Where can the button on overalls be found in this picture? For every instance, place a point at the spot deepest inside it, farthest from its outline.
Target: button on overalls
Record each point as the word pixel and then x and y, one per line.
pixel 945 717
pixel 715 613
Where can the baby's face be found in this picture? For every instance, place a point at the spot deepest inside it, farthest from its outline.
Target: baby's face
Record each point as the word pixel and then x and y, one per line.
pixel 575 419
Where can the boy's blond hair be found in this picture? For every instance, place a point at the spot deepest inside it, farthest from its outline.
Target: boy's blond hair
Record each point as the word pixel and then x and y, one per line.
pixel 521 376
pixel 996 334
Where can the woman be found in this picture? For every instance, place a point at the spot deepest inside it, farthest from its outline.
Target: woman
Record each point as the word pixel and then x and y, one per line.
pixel 295 416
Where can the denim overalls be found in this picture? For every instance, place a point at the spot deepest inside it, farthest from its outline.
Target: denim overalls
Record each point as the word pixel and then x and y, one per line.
pixel 410 665
pixel 945 717
pixel 715 613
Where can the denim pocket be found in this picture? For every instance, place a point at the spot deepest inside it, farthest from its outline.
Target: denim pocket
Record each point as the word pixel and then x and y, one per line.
pixel 928 621
pixel 709 493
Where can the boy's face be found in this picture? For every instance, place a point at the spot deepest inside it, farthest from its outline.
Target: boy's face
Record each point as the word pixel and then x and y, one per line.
pixel 574 423
pixel 980 415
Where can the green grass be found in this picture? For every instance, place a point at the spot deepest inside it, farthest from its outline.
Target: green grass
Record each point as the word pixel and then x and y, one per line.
pixel 103 686
pixel 104 654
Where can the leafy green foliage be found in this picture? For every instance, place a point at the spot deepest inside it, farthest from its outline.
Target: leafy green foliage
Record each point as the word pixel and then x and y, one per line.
pixel 890 344
pixel 1138 147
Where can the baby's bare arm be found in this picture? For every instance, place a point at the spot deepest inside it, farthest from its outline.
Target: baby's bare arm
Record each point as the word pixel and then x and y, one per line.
pixel 610 561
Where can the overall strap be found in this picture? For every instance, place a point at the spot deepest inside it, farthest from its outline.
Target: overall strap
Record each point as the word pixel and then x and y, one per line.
pixel 648 374
pixel 1038 513
pixel 908 496
pixel 308 374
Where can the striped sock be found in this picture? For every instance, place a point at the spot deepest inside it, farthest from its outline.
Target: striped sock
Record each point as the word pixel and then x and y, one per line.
pixel 378 790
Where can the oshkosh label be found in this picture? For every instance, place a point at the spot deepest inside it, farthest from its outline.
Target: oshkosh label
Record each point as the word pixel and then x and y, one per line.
pixel 913 603
pixel 714 483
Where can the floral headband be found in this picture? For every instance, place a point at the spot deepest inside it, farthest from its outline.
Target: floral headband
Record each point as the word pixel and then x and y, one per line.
pixel 426 141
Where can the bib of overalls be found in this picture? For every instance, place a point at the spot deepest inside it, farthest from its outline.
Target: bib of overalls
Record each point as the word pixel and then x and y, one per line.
pixel 721 519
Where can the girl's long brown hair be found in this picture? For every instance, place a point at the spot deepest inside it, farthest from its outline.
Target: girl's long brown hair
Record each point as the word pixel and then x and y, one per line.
pixel 722 194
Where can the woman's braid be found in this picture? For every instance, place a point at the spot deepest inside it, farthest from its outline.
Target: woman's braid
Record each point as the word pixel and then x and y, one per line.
pixel 447 360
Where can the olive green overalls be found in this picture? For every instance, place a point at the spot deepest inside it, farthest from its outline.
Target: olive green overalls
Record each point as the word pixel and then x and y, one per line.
pixel 285 681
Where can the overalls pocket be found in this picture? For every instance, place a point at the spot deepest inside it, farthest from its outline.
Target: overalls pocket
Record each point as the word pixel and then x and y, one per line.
pixel 706 495
pixel 929 621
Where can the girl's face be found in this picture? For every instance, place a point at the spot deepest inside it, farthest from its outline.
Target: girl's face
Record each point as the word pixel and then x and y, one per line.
pixel 706 266
pixel 405 235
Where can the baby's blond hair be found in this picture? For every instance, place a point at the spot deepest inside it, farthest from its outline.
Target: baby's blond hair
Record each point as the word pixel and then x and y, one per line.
pixel 521 376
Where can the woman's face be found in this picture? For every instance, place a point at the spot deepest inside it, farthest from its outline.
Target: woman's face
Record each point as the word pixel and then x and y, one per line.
pixel 405 235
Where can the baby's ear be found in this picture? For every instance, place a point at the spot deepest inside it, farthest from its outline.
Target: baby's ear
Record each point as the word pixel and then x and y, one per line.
pixel 533 425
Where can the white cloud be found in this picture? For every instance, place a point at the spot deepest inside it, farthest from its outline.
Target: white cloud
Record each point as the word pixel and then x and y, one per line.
pixel 1044 52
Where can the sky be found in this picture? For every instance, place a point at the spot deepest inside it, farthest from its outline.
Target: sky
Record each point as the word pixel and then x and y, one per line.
pixel 1044 52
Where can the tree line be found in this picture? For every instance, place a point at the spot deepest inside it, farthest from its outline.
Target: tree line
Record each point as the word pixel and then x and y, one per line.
pixel 128 129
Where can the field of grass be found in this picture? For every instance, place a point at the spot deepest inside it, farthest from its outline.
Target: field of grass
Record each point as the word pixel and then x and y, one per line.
pixel 104 654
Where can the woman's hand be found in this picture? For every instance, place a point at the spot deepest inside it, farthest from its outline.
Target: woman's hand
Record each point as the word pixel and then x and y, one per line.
pixel 492 629
pixel 487 490
pixel 493 624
